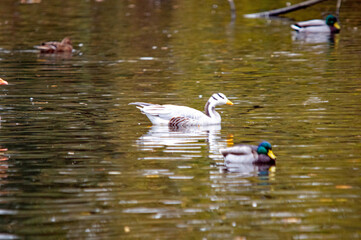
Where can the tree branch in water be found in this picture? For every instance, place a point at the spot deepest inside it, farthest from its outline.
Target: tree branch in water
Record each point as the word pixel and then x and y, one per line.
pixel 279 11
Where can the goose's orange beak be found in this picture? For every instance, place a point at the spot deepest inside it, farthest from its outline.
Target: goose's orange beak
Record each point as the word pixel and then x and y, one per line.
pixel 3 82
pixel 229 102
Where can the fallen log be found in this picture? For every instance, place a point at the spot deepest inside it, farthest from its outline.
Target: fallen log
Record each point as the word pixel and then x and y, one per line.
pixel 279 11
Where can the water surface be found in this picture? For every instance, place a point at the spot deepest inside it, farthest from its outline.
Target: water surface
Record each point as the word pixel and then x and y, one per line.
pixel 77 162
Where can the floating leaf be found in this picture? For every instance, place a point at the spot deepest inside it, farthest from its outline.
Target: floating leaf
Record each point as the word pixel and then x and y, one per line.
pixel 343 186
pixel 291 220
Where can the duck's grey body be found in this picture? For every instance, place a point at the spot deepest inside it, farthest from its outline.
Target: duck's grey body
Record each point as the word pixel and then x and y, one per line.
pixel 311 26
pixel 248 154
pixel 242 154
pixel 330 25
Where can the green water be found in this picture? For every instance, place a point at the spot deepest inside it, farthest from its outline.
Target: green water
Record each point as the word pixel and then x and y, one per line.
pixel 77 162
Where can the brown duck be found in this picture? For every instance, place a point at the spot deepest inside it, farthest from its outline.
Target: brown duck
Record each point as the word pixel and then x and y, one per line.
pixel 56 47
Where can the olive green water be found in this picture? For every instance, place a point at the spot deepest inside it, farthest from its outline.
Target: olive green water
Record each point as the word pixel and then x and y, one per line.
pixel 77 162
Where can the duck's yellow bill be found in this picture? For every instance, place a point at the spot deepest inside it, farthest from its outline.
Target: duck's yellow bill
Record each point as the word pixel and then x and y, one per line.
pixel 271 154
pixel 336 25
pixel 229 103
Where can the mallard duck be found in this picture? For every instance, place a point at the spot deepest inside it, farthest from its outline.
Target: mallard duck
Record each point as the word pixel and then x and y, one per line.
pixel 249 154
pixel 56 47
pixel 330 25
pixel 3 82
pixel 178 116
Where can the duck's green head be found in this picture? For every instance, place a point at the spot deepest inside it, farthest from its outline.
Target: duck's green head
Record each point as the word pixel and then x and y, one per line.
pixel 266 149
pixel 332 21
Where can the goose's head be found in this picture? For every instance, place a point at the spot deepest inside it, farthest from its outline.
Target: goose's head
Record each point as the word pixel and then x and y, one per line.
pixel 332 22
pixel 219 99
pixel 266 149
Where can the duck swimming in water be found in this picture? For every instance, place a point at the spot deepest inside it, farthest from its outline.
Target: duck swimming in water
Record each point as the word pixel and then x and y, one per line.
pixel 56 47
pixel 329 25
pixel 249 154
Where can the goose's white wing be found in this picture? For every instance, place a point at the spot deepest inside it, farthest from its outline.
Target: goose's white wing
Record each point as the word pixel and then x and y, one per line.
pixel 168 111
pixel 171 114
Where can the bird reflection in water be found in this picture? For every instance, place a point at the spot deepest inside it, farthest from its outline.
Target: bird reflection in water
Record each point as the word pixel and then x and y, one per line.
pixel 314 38
pixel 250 169
pixel 3 164
pixel 188 140
pixel 2 82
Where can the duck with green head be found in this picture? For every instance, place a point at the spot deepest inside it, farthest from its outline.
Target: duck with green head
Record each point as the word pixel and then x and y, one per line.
pixel 249 154
pixel 329 25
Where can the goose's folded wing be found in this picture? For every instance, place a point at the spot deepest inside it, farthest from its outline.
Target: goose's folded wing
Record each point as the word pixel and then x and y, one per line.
pixel 187 112
pixel 150 108
pixel 156 110
pixel 171 111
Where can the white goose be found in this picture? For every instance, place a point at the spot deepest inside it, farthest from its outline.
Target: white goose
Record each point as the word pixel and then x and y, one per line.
pixel 179 116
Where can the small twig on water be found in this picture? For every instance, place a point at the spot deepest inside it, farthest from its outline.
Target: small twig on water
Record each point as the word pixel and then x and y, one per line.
pixel 338 6
pixel 233 9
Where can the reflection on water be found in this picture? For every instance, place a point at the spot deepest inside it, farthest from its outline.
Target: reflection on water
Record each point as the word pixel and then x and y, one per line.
pixel 74 163
pixel 3 165
pixel 304 37
pixel 51 58
pixel 186 140
pixel 249 169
